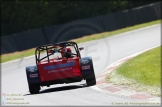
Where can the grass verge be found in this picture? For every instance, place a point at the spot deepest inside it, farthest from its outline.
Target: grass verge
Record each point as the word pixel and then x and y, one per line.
pixel 141 73
pixel 16 55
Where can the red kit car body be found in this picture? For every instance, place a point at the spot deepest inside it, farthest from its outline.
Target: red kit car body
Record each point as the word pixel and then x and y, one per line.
pixel 53 69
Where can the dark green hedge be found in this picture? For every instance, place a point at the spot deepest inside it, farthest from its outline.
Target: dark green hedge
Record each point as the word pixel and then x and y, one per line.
pixel 21 15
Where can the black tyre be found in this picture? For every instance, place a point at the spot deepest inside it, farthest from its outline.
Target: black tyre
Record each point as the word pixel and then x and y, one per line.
pixel 34 88
pixel 91 79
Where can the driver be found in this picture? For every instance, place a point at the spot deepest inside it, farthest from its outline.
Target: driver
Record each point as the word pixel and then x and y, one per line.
pixel 66 52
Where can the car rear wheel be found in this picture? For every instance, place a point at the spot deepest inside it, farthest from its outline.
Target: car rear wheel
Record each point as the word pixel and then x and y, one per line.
pixel 34 88
pixel 91 79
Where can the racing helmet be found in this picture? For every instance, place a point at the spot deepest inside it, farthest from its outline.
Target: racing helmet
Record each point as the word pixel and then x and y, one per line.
pixel 68 49
pixel 65 51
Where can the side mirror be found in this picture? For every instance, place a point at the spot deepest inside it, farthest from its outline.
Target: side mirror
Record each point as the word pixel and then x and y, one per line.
pixel 81 48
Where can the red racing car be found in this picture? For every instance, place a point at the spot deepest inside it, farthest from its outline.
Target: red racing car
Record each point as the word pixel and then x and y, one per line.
pixel 59 63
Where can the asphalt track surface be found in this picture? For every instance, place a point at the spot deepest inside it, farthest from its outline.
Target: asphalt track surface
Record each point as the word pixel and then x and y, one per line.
pixel 103 51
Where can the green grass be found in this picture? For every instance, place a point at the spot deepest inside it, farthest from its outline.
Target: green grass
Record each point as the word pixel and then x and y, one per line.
pixel 16 55
pixel 142 73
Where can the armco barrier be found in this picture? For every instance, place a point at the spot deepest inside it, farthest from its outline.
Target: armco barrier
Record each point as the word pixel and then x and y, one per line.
pixel 32 38
pixel 148 13
pixel 109 22
pixel 50 31
pixel 23 40
pixel 157 8
pixel 74 29
pixel 133 17
pixel 8 44
pixel 121 19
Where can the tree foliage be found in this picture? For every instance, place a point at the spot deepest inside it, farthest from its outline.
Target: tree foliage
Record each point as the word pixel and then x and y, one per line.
pixel 21 15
